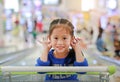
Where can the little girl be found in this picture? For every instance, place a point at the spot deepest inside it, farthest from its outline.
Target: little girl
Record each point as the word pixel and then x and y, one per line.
pixel 57 51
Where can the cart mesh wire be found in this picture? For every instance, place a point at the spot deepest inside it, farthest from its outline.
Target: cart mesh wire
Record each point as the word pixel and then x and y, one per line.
pixel 40 78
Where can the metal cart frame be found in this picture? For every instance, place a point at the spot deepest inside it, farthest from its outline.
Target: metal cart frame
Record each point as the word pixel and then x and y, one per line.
pixel 102 72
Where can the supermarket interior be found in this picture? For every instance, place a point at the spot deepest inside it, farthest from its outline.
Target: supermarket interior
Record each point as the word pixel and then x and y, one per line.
pixel 24 22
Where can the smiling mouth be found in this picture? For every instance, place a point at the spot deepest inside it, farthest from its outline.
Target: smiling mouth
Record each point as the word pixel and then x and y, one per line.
pixel 60 47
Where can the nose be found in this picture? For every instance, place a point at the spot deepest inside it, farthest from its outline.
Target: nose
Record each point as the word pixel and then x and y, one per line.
pixel 60 41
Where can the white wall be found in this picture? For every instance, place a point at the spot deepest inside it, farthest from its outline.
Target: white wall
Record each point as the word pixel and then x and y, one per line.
pixel 71 5
pixel 76 5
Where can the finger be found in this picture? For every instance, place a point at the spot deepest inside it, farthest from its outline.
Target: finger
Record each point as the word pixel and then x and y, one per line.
pixel 78 40
pixel 48 42
pixel 50 45
pixel 72 44
pixel 38 42
pixel 75 40
pixel 44 38
pixel 40 39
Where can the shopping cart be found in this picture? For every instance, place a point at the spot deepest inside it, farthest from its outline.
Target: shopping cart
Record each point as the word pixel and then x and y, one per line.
pixel 29 73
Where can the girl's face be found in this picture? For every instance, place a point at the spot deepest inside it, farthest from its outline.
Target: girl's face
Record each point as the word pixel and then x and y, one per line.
pixel 60 39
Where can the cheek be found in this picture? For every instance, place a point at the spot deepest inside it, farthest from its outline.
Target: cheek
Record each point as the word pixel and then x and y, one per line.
pixel 53 42
pixel 68 42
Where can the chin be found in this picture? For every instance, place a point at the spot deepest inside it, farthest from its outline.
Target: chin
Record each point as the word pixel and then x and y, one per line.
pixel 60 50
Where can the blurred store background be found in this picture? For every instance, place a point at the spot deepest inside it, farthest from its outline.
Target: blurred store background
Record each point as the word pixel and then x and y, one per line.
pixel 24 21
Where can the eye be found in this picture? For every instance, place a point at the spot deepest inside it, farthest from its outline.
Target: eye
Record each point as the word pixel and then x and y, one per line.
pixel 64 38
pixel 55 38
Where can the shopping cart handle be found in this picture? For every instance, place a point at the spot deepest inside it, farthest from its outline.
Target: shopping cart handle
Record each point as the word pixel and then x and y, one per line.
pixel 49 69
pixel 111 70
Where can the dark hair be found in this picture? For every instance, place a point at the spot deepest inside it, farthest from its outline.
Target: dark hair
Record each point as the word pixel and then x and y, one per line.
pixel 61 23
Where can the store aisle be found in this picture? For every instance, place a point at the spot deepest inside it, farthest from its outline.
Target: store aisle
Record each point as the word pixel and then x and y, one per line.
pixel 29 59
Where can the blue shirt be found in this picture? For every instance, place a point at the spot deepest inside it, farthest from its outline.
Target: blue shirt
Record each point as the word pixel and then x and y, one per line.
pixel 70 60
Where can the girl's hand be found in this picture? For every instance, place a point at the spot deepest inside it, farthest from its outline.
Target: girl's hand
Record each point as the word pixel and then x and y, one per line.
pixel 77 44
pixel 46 45
pixel 45 42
